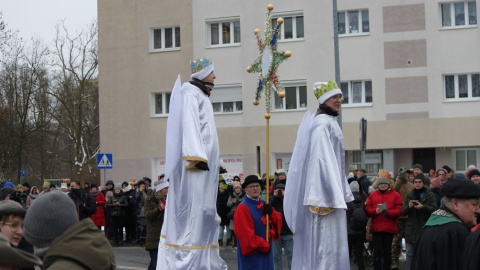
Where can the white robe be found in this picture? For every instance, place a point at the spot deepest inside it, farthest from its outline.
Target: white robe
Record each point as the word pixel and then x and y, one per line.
pixel 316 178
pixel 189 236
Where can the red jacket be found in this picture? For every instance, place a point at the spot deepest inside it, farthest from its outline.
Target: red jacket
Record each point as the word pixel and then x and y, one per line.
pixel 380 222
pixel 99 217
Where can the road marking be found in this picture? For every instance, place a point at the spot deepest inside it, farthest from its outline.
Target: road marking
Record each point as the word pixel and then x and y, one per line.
pixel 130 268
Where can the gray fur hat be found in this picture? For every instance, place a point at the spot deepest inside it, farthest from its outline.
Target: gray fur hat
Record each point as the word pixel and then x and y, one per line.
pixel 48 218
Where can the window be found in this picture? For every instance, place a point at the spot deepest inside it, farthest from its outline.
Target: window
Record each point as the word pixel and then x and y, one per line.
pixel 292 27
pixel 465 158
pixel 462 86
pixel 353 22
pixel 373 160
pixel 165 39
pixel 227 99
pixel 295 97
pixel 161 103
pixel 357 92
pixel 459 14
pixel 222 33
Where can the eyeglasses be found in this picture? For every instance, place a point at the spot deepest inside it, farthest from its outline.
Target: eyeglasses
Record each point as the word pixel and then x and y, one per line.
pixel 337 97
pixel 14 226
pixel 254 187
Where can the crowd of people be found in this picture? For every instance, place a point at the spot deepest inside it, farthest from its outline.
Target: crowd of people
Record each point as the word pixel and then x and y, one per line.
pixel 30 219
pixel 435 213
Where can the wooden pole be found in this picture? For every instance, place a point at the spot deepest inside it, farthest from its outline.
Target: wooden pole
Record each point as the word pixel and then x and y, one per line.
pixel 267 169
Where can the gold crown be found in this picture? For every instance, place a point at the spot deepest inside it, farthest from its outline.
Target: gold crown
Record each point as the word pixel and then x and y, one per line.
pixel 199 64
pixel 324 88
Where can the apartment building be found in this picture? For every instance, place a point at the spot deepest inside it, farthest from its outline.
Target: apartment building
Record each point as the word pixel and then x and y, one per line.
pixel 411 68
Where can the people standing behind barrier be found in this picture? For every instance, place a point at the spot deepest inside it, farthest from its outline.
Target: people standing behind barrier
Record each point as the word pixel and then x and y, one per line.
pixel 419 204
pixel 441 241
pixel 450 172
pixel 233 201
pixel 32 196
pixel 385 207
pixel 99 216
pixel 139 201
pixel 155 211
pixel 117 204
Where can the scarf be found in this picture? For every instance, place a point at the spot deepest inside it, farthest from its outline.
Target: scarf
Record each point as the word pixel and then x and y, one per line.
pixel 324 109
pixel 204 86
pixel 418 193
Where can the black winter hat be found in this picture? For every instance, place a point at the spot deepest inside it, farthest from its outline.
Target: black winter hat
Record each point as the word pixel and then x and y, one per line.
pixel 448 169
pixel 109 182
pixel 473 172
pixel 420 176
pixel 460 188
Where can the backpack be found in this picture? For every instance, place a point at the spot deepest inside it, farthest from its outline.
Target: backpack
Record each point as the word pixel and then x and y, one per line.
pixel 359 220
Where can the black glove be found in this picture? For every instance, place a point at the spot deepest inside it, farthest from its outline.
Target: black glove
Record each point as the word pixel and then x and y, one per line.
pixel 202 166
pixel 267 209
pixel 223 170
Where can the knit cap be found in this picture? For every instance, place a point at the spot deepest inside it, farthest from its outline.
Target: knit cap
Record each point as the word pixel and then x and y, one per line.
pixel 383 181
pixel 421 177
pixel 10 207
pixel 354 186
pixel 9 184
pixel 48 218
pixel 473 172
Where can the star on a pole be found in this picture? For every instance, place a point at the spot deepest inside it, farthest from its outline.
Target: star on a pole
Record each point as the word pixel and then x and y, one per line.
pixel 267 63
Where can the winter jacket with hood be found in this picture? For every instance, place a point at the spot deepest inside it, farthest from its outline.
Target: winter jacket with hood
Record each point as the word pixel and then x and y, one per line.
pixel 82 246
pixel 154 221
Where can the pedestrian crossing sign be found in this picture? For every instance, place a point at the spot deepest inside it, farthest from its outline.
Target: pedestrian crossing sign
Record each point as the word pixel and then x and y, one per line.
pixel 104 161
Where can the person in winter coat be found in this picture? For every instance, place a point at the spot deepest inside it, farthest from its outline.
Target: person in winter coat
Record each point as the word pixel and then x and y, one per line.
pixel 403 187
pixel 130 218
pixel 61 240
pixel 440 245
pixel 117 204
pixel 155 211
pixel 99 216
pixel 417 206
pixel 85 204
pixel 286 236
pixel 233 201
pixel 385 207
pixel 139 198
pixel 356 236
pixel 222 211
pixel 32 196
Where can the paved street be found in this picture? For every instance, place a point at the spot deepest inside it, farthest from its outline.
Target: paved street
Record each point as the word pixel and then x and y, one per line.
pixel 136 258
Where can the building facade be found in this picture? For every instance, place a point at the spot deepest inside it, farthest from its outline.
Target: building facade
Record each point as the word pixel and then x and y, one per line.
pixel 411 68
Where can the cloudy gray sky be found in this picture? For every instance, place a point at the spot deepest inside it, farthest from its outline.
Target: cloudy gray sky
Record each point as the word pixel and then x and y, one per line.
pixel 38 18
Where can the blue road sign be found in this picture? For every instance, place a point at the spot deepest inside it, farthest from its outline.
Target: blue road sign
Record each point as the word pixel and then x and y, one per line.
pixel 22 172
pixel 104 161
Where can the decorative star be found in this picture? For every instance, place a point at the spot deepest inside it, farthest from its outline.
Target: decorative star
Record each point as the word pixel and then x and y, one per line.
pixel 267 63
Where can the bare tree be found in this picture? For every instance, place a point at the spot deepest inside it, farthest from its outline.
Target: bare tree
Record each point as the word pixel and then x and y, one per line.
pixel 23 77
pixel 75 90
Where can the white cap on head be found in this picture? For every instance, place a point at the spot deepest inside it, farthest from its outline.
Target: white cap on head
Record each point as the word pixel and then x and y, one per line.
pixel 201 68
pixel 159 185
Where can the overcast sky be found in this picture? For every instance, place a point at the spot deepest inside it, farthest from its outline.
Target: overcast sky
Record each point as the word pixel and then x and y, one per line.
pixel 38 18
